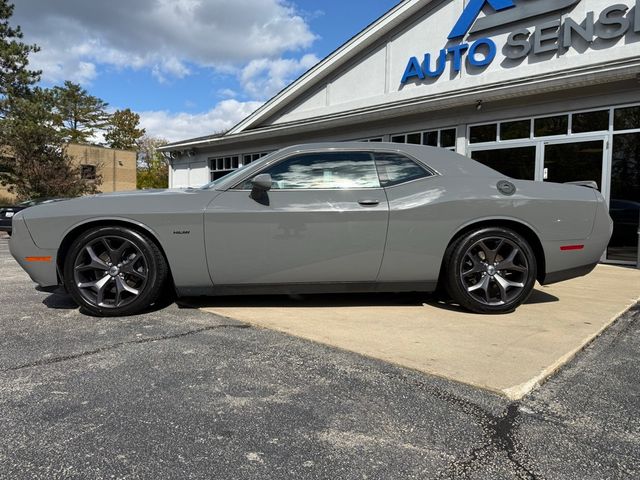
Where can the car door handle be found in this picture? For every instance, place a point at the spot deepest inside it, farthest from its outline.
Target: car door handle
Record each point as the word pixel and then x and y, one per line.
pixel 369 203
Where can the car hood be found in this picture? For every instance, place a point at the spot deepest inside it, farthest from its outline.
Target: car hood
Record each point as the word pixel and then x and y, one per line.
pixel 142 193
pixel 124 204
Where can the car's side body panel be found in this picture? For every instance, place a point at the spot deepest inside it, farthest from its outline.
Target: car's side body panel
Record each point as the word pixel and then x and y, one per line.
pixel 425 216
pixel 296 236
pixel 174 218
pixel 23 249
pixel 561 262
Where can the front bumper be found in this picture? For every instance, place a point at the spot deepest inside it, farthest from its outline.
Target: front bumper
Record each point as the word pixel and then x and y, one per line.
pixel 39 263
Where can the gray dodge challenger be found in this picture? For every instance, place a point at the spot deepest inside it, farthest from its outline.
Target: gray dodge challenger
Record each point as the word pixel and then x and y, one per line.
pixel 320 218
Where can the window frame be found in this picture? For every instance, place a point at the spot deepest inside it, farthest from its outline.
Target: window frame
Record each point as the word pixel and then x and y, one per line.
pixel 212 164
pixel 431 173
pixel 434 173
pixel 422 133
pixel 93 168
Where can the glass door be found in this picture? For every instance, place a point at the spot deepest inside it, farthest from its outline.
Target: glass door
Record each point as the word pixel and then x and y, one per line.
pixel 573 160
pixel 624 199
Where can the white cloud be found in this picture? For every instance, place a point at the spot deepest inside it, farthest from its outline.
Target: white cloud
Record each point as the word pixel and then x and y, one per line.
pixel 264 78
pixel 179 126
pixel 227 93
pixel 173 39
pixel 162 35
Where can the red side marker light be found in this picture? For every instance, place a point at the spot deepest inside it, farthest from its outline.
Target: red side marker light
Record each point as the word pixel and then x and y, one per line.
pixel 37 259
pixel 564 248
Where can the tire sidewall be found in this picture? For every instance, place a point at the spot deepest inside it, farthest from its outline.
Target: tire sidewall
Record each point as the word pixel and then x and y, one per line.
pixel 143 300
pixel 458 290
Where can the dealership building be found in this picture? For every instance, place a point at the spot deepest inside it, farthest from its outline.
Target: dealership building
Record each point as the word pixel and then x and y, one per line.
pixel 545 90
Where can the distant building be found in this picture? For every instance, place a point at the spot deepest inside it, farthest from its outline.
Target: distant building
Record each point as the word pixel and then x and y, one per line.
pixel 117 167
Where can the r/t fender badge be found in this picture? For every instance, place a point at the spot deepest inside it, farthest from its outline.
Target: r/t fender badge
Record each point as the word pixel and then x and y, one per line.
pixel 506 188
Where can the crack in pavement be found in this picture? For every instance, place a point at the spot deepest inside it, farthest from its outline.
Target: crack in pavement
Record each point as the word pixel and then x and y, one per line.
pixel 73 356
pixel 499 431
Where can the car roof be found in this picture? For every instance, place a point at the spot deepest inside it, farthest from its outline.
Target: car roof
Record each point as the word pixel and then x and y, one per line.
pixel 442 161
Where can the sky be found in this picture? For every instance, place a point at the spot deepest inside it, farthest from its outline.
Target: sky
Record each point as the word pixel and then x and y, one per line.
pixel 187 67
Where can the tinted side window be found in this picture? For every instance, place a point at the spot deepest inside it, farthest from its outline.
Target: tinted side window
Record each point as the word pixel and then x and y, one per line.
pixel 331 170
pixel 395 168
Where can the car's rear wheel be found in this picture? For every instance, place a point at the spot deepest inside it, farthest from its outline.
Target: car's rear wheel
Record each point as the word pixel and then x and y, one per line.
pixel 490 270
pixel 114 271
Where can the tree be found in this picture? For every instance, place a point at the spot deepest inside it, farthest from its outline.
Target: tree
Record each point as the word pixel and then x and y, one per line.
pixel 123 131
pixel 35 163
pixel 15 76
pixel 153 171
pixel 79 115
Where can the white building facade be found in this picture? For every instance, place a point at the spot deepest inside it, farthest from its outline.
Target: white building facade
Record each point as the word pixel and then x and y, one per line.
pixel 546 90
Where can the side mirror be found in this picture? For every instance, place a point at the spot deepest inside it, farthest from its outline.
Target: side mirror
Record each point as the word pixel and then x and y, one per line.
pixel 262 182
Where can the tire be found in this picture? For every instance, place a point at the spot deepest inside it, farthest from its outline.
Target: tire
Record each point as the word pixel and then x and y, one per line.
pixel 490 270
pixel 115 271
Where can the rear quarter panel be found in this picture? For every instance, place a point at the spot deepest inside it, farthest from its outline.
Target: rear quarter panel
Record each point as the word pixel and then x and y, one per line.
pixel 427 214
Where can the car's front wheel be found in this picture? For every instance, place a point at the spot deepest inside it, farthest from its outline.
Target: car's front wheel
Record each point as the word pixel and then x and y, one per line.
pixel 114 271
pixel 490 270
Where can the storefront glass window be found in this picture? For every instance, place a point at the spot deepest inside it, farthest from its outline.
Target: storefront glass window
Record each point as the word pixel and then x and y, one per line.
pixel 430 138
pixel 483 133
pixel 517 163
pixel 590 121
pixel 414 138
pixel 398 138
pixel 624 201
pixel 448 138
pixel 626 118
pixel 515 130
pixel 557 125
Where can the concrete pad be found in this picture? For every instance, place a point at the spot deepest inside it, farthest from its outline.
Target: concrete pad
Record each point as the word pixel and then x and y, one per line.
pixel 508 354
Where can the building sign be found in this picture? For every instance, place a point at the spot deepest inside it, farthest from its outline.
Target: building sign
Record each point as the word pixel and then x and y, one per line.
pixel 611 23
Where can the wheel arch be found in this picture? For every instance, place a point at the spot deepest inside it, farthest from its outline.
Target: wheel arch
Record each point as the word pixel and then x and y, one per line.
pixel 518 226
pixel 79 229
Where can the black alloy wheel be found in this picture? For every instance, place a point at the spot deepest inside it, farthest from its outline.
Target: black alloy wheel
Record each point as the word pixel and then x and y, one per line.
pixel 490 270
pixel 113 271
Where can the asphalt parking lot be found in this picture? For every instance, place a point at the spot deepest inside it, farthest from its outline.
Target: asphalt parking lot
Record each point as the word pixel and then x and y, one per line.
pixel 179 393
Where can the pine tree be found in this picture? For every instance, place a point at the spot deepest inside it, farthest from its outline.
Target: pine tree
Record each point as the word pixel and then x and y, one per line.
pixel 15 76
pixel 123 131
pixel 79 115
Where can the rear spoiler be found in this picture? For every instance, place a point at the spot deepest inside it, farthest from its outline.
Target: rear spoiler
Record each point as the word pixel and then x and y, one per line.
pixel 585 183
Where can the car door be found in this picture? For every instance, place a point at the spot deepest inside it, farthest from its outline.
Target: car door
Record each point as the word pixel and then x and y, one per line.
pixel 324 220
